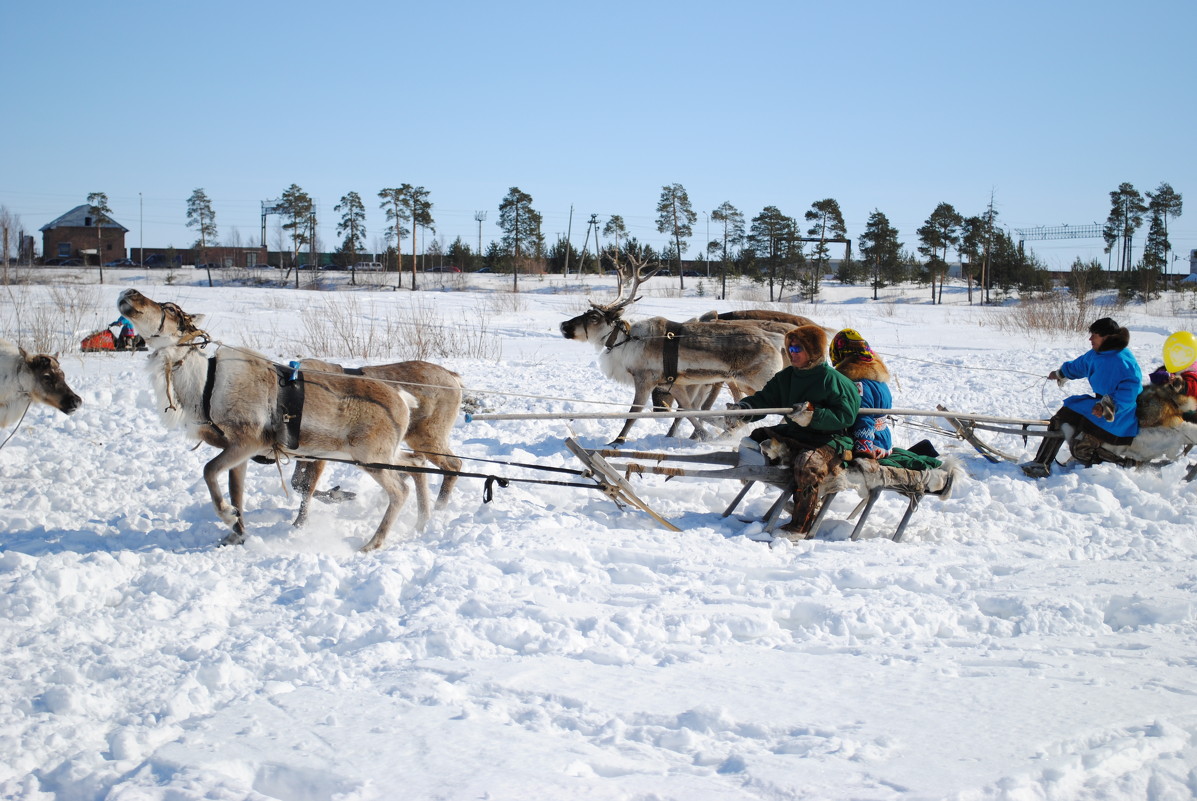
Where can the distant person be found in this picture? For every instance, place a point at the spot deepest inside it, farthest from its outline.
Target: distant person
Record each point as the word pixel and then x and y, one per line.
pixel 1106 417
pixel 126 338
pixel 851 355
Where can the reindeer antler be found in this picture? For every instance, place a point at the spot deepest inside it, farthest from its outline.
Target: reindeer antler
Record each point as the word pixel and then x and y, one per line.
pixel 642 269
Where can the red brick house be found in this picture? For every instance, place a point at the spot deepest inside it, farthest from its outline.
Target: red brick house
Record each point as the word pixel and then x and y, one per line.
pixel 76 231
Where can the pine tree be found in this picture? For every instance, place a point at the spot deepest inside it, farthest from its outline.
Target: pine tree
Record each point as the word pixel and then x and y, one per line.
pixel 398 216
pixel 1155 249
pixel 828 224
pixel 299 220
pixel 676 218
pixel 772 236
pixel 100 214
pixel 616 229
pixel 201 217
pixel 1126 217
pixel 520 224
pixel 733 234
pixel 353 227
pixel 1169 203
pixel 939 232
pixel 881 251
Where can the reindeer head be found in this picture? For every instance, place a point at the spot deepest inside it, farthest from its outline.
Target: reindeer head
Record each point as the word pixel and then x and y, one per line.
pixel 159 324
pixel 596 324
pixel 48 384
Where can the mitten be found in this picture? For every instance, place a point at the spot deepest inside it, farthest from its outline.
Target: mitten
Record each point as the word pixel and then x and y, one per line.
pixel 802 414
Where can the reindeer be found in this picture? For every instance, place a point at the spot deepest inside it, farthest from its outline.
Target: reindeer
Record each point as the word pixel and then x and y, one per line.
pixel 706 352
pixel 438 394
pixel 230 400
pixel 25 380
pixel 773 315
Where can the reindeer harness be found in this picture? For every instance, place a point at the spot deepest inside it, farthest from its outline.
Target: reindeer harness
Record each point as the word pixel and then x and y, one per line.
pixel 669 350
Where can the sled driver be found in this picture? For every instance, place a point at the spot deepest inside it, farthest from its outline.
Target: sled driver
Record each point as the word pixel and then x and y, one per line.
pixel 817 431
pixel 1108 416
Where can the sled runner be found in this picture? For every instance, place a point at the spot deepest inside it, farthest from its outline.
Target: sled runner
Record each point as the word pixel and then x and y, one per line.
pixel 867 477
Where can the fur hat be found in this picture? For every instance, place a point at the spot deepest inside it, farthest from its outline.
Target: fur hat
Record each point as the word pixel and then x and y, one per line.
pixel 852 356
pixel 1116 336
pixel 812 339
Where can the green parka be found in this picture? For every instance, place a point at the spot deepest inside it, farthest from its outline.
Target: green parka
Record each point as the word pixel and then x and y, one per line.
pixel 835 398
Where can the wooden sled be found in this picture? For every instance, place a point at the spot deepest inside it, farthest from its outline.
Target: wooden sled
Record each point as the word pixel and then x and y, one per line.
pixel 881 479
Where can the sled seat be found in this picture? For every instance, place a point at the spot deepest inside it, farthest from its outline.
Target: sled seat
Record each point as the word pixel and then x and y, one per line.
pixel 870 480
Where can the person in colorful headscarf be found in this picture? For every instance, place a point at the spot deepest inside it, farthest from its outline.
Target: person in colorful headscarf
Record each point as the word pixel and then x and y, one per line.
pixel 860 364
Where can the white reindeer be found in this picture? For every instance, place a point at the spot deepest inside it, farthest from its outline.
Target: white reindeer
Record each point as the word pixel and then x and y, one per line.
pixel 230 401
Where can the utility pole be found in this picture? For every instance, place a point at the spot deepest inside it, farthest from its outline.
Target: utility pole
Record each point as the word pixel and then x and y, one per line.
pixel 480 216
pixel 569 229
pixel 594 220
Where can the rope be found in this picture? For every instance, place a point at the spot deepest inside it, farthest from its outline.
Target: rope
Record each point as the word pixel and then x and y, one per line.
pixel 958 367
pixel 13 433
pixel 489 478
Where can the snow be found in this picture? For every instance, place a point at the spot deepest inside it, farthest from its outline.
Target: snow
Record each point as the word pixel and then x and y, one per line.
pixel 1027 640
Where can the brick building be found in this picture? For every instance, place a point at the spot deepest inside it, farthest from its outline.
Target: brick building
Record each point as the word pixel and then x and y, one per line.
pixel 76 231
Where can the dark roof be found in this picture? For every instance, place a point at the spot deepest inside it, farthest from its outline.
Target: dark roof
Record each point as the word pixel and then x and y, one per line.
pixel 77 218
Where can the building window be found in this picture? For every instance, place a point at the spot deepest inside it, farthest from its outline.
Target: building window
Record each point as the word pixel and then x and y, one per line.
pixel 64 249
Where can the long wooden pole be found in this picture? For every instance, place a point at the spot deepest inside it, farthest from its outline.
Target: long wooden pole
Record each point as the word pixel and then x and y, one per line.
pixel 980 418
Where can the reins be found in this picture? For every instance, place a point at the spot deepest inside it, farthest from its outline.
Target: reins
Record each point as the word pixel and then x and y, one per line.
pixel 13 433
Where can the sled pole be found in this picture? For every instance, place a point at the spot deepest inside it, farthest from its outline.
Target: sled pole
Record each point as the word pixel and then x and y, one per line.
pixel 979 418
pixel 469 418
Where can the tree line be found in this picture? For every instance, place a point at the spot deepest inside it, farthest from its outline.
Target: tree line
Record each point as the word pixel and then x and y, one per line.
pixel 771 247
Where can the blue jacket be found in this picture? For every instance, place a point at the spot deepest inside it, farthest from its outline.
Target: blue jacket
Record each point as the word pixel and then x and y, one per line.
pixel 870 430
pixel 1110 372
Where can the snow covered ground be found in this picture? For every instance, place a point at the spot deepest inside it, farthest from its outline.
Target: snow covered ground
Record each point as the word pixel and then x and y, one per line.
pixel 1027 640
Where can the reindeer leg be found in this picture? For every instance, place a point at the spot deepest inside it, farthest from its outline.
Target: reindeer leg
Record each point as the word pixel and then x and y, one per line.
pixel 231 460
pixel 643 389
pixel 396 489
pixel 304 481
pixel 436 450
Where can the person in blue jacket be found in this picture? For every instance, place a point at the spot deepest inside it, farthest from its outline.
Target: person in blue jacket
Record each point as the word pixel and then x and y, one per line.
pixel 851 355
pixel 1108 415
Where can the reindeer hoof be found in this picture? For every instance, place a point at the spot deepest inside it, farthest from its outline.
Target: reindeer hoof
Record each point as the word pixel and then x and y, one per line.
pixel 233 538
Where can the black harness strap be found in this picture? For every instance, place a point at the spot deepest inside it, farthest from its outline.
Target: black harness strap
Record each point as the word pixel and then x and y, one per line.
pixel 288 406
pixel 354 371
pixel 209 382
pixel 672 344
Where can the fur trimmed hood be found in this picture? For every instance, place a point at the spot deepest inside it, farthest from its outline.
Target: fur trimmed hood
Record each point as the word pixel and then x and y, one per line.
pixel 1116 336
pixel 813 340
pixel 855 370
pixel 1116 341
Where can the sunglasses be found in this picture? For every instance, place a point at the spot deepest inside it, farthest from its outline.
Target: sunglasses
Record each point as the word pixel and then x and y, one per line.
pixel 794 349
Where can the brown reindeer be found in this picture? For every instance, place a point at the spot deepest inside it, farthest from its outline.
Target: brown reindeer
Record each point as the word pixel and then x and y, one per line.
pixel 28 379
pixel 438 394
pixel 777 322
pixel 707 353
pixel 230 400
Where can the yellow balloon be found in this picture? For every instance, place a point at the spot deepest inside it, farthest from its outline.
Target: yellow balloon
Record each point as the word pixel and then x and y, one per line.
pixel 1180 351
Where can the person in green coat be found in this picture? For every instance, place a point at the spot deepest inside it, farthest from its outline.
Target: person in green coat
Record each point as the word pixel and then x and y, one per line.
pixel 818 430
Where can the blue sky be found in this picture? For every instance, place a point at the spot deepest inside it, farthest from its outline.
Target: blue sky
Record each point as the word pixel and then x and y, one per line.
pixel 880 105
